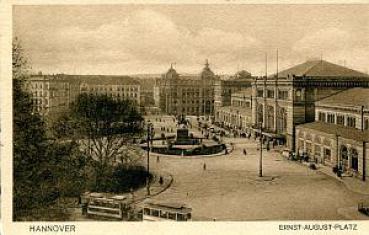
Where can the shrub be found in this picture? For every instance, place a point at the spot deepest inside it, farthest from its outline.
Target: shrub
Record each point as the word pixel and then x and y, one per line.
pixel 125 178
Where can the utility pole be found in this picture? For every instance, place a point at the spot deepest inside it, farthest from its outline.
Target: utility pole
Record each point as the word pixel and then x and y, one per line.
pixel 364 160
pixel 261 152
pixel 148 158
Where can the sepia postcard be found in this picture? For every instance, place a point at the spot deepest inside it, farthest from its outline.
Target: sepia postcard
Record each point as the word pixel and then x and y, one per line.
pixel 213 117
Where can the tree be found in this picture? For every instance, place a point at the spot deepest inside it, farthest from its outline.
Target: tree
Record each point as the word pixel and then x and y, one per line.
pixel 103 127
pixel 33 178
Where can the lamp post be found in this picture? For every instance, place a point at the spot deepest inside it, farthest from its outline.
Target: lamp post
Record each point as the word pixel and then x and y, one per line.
pixel 364 160
pixel 338 159
pixel 261 151
pixel 149 133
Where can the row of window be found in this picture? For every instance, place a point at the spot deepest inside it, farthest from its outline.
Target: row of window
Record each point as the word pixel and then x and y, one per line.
pixel 167 215
pixel 239 103
pixel 282 95
pixel 52 93
pixel 317 152
pixel 101 88
pixel 339 119
pixel 39 85
pixel 39 102
pixel 132 95
pixel 343 152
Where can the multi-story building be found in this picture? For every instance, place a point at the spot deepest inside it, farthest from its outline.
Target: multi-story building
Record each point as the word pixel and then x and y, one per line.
pixel 237 115
pixel 118 87
pixel 339 135
pixel 186 94
pixel 223 89
pixel 284 100
pixel 51 94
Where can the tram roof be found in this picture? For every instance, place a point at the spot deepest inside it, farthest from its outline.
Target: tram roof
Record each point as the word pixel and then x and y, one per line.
pixel 173 206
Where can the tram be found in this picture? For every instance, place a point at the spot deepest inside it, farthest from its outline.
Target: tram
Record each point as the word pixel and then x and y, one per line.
pixel 165 211
pixel 99 205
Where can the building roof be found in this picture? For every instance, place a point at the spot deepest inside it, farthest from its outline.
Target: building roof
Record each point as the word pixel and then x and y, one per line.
pixel 354 97
pixel 104 79
pixel 206 71
pixel 341 131
pixel 189 77
pixel 247 92
pixel 44 77
pixel 320 68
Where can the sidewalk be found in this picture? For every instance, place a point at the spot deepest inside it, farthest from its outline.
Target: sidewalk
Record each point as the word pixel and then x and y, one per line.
pixel 155 187
pixel 352 183
pixel 352 213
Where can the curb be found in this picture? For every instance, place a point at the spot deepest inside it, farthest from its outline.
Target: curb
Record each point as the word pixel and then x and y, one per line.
pixel 157 193
pixel 196 156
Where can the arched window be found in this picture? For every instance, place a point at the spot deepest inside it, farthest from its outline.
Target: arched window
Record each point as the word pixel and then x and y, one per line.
pixel 354 160
pixel 344 157
pixel 366 124
pixel 281 120
pixel 259 113
pixel 270 117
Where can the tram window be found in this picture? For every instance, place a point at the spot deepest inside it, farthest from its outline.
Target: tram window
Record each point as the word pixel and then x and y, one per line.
pixel 163 214
pixel 146 211
pixel 172 216
pixel 155 213
pixel 181 217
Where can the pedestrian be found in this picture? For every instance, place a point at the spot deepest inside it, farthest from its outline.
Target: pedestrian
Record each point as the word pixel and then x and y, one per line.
pixel 132 193
pixel 161 181
pixel 157 159
pixel 204 166
pixel 244 152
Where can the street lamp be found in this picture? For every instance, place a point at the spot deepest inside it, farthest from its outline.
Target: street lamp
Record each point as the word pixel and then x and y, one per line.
pixel 338 159
pixel 149 133
pixel 261 151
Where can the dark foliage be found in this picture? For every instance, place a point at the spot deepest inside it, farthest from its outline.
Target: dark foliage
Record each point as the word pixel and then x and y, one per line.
pixel 123 179
pixel 103 128
pixel 33 176
pixel 44 169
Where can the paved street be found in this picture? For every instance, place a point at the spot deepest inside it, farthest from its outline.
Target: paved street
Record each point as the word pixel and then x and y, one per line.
pixel 229 188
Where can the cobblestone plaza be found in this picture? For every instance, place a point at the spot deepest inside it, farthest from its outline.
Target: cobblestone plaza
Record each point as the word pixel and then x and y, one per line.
pixel 230 189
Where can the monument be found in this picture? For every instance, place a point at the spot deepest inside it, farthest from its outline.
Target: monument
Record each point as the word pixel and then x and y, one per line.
pixel 183 137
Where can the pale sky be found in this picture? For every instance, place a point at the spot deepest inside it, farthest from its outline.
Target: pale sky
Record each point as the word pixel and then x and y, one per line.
pixel 132 39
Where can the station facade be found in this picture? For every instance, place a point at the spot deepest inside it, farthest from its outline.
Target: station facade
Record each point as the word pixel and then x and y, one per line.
pixel 339 135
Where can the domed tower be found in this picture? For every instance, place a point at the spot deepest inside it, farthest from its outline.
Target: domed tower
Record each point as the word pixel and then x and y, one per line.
pixel 172 73
pixel 206 72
